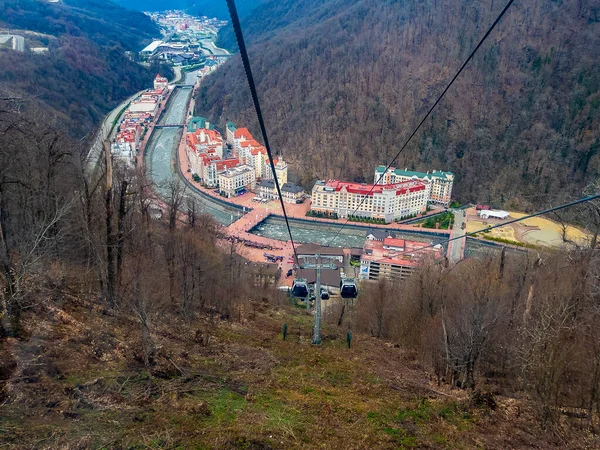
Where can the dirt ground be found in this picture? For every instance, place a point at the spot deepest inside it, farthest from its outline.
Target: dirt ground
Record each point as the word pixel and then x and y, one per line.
pixel 539 231
pixel 79 384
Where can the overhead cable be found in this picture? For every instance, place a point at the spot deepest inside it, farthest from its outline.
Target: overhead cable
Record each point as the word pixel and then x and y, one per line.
pixel 235 20
pixel 485 36
pixel 503 224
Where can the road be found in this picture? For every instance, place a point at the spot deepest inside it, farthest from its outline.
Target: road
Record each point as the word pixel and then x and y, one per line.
pixel 19 44
pixel 105 131
pixel 456 248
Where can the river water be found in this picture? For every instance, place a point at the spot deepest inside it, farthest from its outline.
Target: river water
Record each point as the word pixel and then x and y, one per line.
pixel 177 108
pixel 321 233
pixel 162 151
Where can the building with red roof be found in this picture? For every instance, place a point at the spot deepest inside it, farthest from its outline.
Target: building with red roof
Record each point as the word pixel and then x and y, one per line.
pixel 160 83
pixel 395 258
pixel 387 202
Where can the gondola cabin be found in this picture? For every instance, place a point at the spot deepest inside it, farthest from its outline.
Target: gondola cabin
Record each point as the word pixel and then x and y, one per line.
pixel 300 288
pixel 348 288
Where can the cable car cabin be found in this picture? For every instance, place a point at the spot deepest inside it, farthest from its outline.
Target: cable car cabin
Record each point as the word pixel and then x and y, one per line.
pixel 324 294
pixel 300 288
pixel 348 288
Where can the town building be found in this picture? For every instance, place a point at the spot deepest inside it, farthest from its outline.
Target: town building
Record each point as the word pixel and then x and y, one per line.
pixel 240 135
pixel 395 258
pixel 197 122
pixel 291 193
pixel 441 182
pixel 160 83
pixel 139 106
pixel 378 234
pixel 492 213
pixel 231 129
pixel 281 169
pixel 266 189
pixel 236 181
pixel 123 152
pixel 263 274
pixel 152 49
pixel 387 202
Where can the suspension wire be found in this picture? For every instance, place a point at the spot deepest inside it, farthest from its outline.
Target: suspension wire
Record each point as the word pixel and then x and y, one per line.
pixel 485 36
pixel 235 20
pixel 540 213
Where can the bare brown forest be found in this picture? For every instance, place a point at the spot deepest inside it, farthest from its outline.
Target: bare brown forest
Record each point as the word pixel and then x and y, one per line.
pixel 343 83
pixel 111 315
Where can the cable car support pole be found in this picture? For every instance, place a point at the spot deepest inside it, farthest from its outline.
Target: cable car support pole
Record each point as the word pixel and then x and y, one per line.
pixel 318 265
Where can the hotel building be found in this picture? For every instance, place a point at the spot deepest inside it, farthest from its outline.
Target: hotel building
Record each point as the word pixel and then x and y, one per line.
pixel 236 181
pixel 441 182
pixel 388 202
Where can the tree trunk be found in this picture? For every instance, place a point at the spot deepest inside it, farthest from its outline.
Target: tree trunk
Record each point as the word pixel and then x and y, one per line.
pixel 121 231
pixel 110 244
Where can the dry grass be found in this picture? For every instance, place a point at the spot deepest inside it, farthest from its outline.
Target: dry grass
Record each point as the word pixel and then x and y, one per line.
pixel 78 385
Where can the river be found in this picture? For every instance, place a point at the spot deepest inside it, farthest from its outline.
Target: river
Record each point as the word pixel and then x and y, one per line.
pixel 162 152
pixel 177 107
pixel 351 236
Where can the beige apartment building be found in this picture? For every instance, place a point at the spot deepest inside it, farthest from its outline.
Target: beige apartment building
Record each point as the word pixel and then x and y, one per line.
pixel 236 180
pixel 388 202
pixel 441 182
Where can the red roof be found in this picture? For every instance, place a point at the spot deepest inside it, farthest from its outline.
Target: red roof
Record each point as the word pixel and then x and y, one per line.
pixel 392 242
pixel 227 163
pixel 369 189
pixel 243 132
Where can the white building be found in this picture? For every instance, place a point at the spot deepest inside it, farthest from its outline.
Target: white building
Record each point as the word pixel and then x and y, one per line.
pixel 441 182
pixel 151 49
pixel 291 193
pixel 160 83
pixel 236 181
pixel 395 258
pixel 281 169
pixel 124 152
pixel 494 214
pixel 388 202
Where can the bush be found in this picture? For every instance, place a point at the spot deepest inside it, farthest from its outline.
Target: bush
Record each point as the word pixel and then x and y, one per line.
pixel 443 219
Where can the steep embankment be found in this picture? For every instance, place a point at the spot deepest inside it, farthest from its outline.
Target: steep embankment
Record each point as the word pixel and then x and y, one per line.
pixel 343 83
pixel 80 384
pixel 86 71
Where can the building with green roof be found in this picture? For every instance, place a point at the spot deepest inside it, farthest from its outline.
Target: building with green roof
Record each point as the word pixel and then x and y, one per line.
pixel 197 122
pixel 230 130
pixel 441 182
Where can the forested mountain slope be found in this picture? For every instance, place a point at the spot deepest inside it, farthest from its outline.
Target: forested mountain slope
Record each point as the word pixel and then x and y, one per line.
pixel 344 82
pixel 86 71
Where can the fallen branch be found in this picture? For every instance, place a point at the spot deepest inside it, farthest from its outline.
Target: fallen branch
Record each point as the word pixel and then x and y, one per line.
pixel 179 369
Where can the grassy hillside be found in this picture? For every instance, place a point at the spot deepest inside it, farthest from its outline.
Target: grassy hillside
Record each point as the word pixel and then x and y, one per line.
pixel 344 82
pixel 82 386
pixel 86 71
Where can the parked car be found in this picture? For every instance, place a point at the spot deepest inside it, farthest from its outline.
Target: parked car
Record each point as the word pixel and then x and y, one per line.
pixel 289 273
